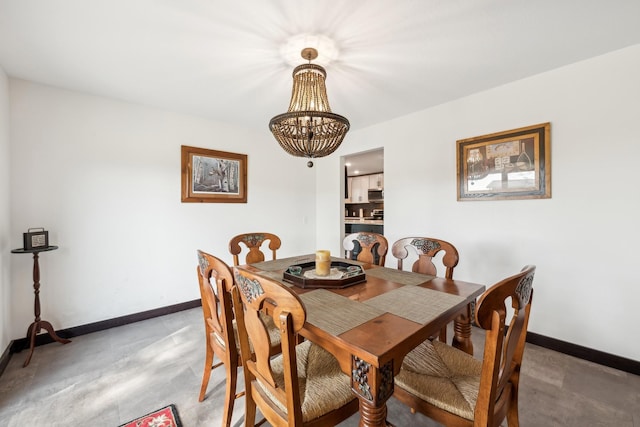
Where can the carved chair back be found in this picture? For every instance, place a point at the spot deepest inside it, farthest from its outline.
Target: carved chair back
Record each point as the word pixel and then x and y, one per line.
pixel 372 247
pixel 426 248
pixel 253 242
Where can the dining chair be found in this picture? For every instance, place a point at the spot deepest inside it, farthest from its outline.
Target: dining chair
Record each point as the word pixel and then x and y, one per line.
pixel 303 386
pixel 452 387
pixel 253 242
pixel 366 247
pixel 216 281
pixel 426 248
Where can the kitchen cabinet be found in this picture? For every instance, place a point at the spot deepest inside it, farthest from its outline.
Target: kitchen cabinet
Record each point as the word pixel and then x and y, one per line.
pixel 349 190
pixel 360 189
pixel 376 181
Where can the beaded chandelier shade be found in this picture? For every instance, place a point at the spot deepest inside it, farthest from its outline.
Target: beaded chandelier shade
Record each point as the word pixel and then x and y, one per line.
pixel 309 128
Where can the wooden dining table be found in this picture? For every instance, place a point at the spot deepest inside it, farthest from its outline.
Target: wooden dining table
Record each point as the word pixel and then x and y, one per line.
pixel 369 327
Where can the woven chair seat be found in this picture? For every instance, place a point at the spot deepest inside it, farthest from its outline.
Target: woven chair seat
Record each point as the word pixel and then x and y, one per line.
pixel 274 333
pixel 323 386
pixel 443 376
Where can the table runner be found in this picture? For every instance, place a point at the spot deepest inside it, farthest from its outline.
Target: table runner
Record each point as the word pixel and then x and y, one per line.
pixel 414 303
pixel 334 313
pixel 277 276
pixel 399 276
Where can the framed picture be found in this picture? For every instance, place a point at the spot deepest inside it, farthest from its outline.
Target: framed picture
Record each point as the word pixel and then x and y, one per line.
pixel 514 164
pixel 210 176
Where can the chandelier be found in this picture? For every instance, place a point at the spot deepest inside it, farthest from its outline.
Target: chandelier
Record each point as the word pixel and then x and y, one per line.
pixel 309 128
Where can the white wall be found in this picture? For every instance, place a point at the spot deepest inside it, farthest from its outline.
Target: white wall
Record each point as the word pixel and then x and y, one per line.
pixel 5 248
pixel 583 240
pixel 103 177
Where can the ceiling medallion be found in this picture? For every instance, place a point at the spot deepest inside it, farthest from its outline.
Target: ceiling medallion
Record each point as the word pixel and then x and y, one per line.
pixel 309 128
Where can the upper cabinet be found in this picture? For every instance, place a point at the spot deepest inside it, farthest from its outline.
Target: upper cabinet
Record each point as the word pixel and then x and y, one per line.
pixel 359 186
pixel 359 189
pixel 376 181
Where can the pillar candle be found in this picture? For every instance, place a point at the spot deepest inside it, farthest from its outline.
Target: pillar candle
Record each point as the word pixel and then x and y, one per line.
pixel 323 262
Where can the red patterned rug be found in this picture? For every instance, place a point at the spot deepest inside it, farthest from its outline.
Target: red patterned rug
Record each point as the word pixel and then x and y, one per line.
pixel 165 417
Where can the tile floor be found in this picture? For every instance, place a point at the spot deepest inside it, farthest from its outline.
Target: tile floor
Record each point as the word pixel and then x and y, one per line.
pixel 113 376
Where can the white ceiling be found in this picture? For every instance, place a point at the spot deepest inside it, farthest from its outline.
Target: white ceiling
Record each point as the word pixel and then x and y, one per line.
pixel 365 163
pixel 222 60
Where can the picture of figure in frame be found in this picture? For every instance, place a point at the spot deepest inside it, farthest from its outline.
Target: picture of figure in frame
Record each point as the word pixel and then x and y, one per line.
pixel 213 175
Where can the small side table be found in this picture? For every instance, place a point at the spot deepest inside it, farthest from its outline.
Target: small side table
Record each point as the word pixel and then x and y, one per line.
pixel 38 324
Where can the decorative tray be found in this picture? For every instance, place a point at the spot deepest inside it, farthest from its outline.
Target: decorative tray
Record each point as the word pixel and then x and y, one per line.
pixel 342 275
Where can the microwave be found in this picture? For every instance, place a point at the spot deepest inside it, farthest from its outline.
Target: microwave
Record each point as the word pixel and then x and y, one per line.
pixel 376 195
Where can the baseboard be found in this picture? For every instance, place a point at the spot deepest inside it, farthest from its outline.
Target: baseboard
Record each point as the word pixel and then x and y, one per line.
pixel 585 353
pixel 4 360
pixel 21 344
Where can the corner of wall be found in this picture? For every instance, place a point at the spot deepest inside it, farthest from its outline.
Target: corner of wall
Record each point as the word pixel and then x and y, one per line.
pixel 5 252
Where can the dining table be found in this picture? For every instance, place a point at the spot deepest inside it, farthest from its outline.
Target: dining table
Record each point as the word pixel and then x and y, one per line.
pixel 370 326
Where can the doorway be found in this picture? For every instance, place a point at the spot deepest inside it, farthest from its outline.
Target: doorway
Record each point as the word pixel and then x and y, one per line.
pixel 364 192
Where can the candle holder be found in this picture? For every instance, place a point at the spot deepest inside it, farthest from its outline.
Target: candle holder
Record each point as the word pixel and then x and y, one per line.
pixel 304 275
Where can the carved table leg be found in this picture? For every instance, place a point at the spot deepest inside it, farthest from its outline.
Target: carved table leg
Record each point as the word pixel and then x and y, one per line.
pixel 373 386
pixel 38 324
pixel 371 415
pixel 462 331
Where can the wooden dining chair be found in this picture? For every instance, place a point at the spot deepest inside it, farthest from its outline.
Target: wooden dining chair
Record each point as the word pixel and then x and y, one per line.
pixel 366 247
pixel 426 248
pixel 304 386
pixel 452 387
pixel 216 281
pixel 253 242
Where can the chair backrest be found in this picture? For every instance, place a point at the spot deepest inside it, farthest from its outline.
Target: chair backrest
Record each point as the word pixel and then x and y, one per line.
pixel 261 296
pixel 253 242
pixel 371 247
pixel 426 248
pixel 216 281
pixel 502 353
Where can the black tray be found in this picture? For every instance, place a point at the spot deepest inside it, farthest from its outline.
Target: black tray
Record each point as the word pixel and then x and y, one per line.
pixel 304 282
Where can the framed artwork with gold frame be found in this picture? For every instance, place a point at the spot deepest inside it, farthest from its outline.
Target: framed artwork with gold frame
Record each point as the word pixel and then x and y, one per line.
pixel 211 176
pixel 514 164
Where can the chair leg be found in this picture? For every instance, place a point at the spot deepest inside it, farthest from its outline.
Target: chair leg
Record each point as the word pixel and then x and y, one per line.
pixel 249 409
pixel 230 393
pixel 512 410
pixel 208 367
